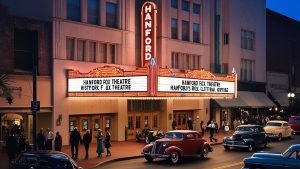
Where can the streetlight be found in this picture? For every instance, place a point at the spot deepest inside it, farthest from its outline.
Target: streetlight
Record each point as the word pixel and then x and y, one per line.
pixel 291 96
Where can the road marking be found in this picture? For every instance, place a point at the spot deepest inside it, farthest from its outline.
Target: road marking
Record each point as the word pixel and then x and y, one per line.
pixel 229 166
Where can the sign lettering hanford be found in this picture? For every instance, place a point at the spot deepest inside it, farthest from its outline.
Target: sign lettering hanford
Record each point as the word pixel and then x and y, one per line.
pixel 148 12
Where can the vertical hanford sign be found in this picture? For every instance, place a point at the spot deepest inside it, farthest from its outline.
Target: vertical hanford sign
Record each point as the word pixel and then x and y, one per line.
pixel 149 11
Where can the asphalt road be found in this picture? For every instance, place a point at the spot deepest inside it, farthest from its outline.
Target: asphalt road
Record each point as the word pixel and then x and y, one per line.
pixel 218 159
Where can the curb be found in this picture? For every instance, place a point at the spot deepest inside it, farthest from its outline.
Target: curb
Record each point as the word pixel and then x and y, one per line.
pixel 132 157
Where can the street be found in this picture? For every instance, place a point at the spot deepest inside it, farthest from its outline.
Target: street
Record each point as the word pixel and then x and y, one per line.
pixel 218 159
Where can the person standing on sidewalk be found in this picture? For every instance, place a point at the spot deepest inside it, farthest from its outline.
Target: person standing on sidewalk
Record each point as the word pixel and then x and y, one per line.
pixel 49 138
pixel 202 126
pixel 99 138
pixel 174 124
pixel 212 129
pixel 190 123
pixel 40 139
pixel 75 138
pixel 87 138
pixel 107 142
pixel 57 142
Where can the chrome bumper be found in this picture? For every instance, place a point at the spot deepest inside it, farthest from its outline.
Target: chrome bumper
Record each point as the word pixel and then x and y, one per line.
pixel 156 155
pixel 236 145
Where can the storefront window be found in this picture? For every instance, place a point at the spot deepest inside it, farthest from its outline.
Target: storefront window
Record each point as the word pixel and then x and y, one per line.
pixel 96 124
pixel 146 122
pixel 155 121
pixel 107 123
pixel 85 124
pixel 130 122
pixel 138 122
pixel 179 119
pixel 72 125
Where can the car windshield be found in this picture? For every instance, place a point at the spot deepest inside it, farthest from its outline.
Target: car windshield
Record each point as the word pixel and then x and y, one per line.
pixel 274 124
pixel 173 135
pixel 244 129
pixel 286 152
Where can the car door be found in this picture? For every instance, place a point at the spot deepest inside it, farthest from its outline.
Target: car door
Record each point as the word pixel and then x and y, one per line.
pixel 293 161
pixel 189 144
pixel 261 135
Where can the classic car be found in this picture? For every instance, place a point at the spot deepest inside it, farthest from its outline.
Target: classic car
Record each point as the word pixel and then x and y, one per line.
pixel 177 144
pixel 294 122
pixel 278 129
pixel 289 159
pixel 247 137
pixel 149 135
pixel 44 160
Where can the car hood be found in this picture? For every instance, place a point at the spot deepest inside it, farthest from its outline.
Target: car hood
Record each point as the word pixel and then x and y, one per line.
pixel 168 140
pixel 268 155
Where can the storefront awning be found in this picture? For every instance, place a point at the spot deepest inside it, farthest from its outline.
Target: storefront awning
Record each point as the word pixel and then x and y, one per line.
pixel 247 99
pixel 281 98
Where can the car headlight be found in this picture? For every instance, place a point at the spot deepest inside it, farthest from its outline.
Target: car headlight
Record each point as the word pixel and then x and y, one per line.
pixel 165 145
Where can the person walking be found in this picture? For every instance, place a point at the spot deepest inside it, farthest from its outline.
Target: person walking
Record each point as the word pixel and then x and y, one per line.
pixel 107 142
pixel 22 144
pixel 75 138
pixel 99 138
pixel 87 138
pixel 40 140
pixel 212 129
pixel 57 142
pixel 49 138
pixel 174 124
pixel 216 127
pixel 202 126
pixel 190 123
pixel 11 144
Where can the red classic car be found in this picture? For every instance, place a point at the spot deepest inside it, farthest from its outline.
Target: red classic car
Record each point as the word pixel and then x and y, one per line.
pixel 177 144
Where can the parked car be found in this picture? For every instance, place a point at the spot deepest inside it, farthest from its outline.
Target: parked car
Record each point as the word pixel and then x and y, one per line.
pixel 278 129
pixel 44 160
pixel 149 135
pixel 177 144
pixel 289 159
pixel 294 122
pixel 247 137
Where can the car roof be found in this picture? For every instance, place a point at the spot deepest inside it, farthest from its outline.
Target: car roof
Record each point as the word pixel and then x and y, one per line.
pixel 182 131
pixel 250 125
pixel 44 153
pixel 277 121
pixel 295 146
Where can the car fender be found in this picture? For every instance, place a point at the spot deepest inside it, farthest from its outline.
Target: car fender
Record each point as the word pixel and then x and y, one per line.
pixel 148 148
pixel 210 149
pixel 172 149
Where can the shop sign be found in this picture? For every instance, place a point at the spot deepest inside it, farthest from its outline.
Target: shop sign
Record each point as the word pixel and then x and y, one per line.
pixel 148 31
pixel 185 85
pixel 109 84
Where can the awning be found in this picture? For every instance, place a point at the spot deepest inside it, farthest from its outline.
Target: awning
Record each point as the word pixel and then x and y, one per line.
pixel 281 98
pixel 247 99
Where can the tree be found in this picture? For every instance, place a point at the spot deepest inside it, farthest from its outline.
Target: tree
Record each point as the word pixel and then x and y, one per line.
pixel 4 88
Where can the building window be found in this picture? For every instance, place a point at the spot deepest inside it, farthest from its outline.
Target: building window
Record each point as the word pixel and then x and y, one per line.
pixel 130 122
pixel 247 39
pixel 185 61
pixel 93 12
pixel 174 3
pixel 174 28
pixel 138 122
pixel 23 49
pixel 196 33
pixel 185 30
pixel 185 5
pixel 103 53
pixel 74 10
pixel 70 48
pixel 112 53
pixel 111 15
pixel 196 8
pixel 247 70
pixel 92 51
pixel 226 39
pixel 80 50
pixel 155 121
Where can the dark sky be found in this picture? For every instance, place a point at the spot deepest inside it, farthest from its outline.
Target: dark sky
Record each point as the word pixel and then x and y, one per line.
pixel 289 8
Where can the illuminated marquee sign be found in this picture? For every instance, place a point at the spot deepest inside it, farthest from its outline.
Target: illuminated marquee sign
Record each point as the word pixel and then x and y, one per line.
pixel 148 12
pixel 184 85
pixel 109 84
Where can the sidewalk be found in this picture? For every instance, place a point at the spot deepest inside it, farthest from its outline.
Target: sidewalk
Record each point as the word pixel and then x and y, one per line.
pixel 119 150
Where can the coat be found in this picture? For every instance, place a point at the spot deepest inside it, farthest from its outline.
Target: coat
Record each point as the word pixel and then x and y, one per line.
pixel 75 138
pixel 99 138
pixel 107 143
pixel 58 143
pixel 87 138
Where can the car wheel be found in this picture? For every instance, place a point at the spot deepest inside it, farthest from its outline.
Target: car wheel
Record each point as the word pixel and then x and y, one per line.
pixel 205 153
pixel 250 147
pixel 175 157
pixel 147 140
pixel 280 137
pixel 226 148
pixel 148 158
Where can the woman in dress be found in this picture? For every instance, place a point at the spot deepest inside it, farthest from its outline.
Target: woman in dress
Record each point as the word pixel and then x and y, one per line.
pixel 107 142
pixel 99 138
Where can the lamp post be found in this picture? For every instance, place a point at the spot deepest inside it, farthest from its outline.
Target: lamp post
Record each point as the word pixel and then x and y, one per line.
pixel 291 97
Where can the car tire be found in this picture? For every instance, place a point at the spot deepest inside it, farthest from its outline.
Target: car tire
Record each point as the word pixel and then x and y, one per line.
pixel 226 148
pixel 280 137
pixel 175 157
pixel 148 158
pixel 204 153
pixel 250 147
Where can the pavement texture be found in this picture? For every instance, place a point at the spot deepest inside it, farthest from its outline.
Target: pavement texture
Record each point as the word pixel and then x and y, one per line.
pixel 122 150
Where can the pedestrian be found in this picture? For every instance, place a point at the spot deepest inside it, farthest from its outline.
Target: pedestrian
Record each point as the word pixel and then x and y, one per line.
pixel 107 142
pixel 174 124
pixel 87 138
pixel 216 127
pixel 190 123
pixel 41 140
pixel 11 144
pixel 202 126
pixel 212 129
pixel 22 145
pixel 57 142
pixel 49 138
pixel 99 138
pixel 75 139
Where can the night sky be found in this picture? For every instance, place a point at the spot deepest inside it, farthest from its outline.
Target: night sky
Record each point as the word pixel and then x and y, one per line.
pixel 289 8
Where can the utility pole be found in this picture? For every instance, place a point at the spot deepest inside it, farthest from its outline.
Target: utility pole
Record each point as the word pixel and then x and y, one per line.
pixel 34 107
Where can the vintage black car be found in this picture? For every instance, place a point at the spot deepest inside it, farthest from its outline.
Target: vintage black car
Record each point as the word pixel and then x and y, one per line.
pixel 289 159
pixel 44 160
pixel 149 135
pixel 247 137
